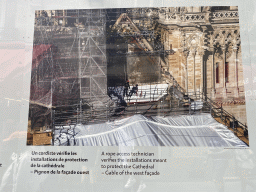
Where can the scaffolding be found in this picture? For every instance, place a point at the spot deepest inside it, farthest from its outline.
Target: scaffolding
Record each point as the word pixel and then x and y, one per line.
pixel 72 55
pixel 69 65
pixel 69 70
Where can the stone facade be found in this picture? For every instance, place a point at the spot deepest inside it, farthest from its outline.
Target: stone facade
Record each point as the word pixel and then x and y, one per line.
pixel 205 44
pixel 207 53
pixel 207 49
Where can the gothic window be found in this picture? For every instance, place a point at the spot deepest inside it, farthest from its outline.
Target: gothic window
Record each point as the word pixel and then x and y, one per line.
pixel 217 73
pixel 226 72
pixel 170 46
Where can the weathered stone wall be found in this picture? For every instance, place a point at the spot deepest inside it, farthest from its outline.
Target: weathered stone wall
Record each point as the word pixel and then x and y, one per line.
pixel 239 111
pixel 196 39
pixel 201 39
pixel 143 69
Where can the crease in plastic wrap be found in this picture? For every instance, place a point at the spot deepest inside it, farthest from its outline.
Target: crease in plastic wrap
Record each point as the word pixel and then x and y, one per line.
pixel 188 130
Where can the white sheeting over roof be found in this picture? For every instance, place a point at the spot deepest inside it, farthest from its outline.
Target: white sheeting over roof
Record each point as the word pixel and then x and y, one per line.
pixel 189 130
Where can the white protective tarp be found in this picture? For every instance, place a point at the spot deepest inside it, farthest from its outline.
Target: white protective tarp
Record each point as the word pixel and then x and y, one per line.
pixel 188 130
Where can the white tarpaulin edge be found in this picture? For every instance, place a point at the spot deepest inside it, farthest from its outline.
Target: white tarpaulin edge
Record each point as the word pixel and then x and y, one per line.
pixel 188 130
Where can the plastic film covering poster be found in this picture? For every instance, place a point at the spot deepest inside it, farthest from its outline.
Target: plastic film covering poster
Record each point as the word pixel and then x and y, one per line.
pixel 127 96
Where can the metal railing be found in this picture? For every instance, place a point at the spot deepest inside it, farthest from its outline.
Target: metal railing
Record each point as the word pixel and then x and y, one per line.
pixel 190 103
pixel 218 111
pixel 173 82
pixel 226 116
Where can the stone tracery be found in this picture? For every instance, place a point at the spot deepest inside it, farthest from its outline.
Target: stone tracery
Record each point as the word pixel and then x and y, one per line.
pixel 205 42
pixel 208 36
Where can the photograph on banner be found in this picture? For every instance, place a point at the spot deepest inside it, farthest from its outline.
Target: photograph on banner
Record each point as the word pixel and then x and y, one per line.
pixel 160 76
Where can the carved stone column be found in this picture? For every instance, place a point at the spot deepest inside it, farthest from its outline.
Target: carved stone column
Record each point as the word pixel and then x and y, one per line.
pixel 64 19
pixel 193 52
pixel 224 92
pixel 235 49
pixel 212 50
pixel 201 52
pixel 185 53
pixel 211 39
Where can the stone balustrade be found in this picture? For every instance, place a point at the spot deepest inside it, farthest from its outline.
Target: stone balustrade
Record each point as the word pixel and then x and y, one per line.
pixel 175 17
pixel 200 17
pixel 225 15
